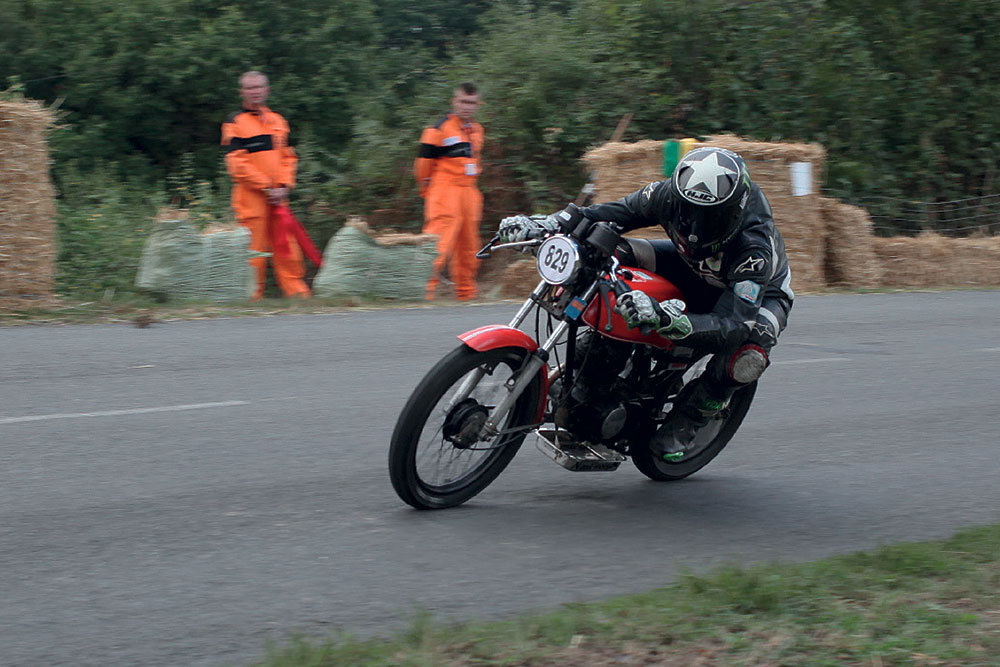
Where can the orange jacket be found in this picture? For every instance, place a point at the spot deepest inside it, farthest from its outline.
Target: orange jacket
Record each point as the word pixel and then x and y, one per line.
pixel 449 154
pixel 258 157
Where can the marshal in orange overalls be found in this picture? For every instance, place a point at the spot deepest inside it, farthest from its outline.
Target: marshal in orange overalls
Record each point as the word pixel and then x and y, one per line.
pixel 258 157
pixel 446 170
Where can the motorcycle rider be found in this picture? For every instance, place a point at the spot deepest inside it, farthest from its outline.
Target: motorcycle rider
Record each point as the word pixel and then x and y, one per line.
pixel 727 257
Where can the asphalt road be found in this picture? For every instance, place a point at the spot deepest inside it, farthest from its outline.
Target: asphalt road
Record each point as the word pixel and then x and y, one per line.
pixel 182 494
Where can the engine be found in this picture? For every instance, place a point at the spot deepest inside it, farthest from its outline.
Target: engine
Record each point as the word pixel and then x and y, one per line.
pixel 595 407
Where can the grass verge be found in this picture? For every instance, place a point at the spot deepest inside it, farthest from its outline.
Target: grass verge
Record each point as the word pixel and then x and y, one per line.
pixel 926 603
pixel 145 310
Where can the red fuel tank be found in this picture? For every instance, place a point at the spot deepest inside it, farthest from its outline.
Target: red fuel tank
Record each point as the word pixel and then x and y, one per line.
pixel 657 287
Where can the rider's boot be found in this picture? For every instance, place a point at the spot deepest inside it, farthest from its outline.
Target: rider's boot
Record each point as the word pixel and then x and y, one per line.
pixel 692 411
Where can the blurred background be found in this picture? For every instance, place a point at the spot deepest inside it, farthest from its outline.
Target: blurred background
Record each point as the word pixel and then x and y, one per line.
pixel 903 96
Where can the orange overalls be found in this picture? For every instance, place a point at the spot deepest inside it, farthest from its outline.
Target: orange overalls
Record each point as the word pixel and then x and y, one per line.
pixel 258 157
pixel 446 170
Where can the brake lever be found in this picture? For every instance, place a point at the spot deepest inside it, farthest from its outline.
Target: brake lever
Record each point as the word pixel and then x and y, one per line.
pixel 604 288
pixel 487 250
pixel 620 288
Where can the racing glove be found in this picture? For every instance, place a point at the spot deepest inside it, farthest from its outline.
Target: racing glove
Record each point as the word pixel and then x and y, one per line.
pixel 667 318
pixel 522 227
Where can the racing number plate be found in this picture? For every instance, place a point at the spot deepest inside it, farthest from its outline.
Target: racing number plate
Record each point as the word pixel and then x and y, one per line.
pixel 558 260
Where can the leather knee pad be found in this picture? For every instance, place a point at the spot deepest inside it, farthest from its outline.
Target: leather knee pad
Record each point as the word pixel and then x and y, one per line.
pixel 748 363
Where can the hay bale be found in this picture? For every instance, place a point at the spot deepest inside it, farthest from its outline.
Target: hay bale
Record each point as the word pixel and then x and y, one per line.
pixel 179 262
pixel 932 260
pixel 357 263
pixel 27 207
pixel 622 168
pixel 619 168
pixel 519 278
pixel 850 258
pixel 798 216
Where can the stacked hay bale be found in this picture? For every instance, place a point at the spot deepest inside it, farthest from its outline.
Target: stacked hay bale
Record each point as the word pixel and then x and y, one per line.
pixel 619 168
pixel 180 262
pixel 27 207
pixel 390 265
pixel 851 259
pixel 789 174
pixel 796 205
pixel 932 260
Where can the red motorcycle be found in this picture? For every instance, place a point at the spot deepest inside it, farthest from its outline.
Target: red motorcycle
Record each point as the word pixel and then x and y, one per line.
pixel 590 389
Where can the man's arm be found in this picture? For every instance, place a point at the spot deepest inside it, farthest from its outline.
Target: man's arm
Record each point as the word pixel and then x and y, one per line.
pixel 735 313
pixel 289 159
pixel 426 162
pixel 633 211
pixel 238 162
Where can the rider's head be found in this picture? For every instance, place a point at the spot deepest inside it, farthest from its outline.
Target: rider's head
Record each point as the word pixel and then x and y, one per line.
pixel 708 191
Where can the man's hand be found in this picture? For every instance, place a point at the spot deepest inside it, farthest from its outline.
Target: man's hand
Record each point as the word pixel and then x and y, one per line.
pixel 674 324
pixel 521 227
pixel 638 310
pixel 667 318
pixel 276 196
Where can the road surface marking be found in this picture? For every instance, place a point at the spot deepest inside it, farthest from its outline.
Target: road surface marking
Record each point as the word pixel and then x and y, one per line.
pixel 824 360
pixel 115 413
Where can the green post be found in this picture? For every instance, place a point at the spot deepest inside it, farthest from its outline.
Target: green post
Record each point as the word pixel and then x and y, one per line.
pixel 673 151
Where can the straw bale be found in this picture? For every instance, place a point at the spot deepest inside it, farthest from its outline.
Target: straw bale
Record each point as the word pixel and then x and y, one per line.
pixel 932 260
pixel 850 259
pixel 171 214
pixel 799 218
pixel 27 207
pixel 621 168
pixel 389 237
pixel 518 279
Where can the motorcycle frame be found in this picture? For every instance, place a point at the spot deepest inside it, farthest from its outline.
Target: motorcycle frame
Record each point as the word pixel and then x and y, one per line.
pixel 536 363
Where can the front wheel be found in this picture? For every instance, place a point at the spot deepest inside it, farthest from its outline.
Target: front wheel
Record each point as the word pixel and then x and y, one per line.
pixel 437 458
pixel 709 441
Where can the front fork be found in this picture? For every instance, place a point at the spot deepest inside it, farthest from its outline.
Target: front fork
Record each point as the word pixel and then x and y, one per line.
pixel 518 383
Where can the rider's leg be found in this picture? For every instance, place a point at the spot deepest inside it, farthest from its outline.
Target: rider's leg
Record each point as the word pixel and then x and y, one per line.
pixel 728 370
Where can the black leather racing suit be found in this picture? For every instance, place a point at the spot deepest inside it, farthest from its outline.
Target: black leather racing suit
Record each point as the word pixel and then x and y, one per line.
pixel 737 298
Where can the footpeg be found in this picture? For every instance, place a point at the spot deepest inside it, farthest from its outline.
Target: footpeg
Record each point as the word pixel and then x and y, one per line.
pixel 574 455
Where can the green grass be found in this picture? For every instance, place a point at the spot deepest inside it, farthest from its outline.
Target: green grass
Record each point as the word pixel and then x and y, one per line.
pixel 933 603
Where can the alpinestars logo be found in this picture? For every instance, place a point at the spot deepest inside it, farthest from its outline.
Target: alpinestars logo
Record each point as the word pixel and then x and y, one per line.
pixel 751 265
pixel 708 179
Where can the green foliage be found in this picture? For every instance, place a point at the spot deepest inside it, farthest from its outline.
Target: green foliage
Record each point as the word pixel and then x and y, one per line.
pixel 102 225
pixel 902 94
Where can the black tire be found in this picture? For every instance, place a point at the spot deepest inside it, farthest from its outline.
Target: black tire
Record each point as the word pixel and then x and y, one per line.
pixel 726 425
pixel 420 429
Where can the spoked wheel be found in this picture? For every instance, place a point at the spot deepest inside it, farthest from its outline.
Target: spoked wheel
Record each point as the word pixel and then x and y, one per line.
pixel 437 458
pixel 708 442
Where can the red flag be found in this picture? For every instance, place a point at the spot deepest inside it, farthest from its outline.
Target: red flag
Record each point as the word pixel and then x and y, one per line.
pixel 284 225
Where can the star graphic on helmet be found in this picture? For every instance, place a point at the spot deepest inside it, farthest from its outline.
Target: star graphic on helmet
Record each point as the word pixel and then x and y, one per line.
pixel 706 172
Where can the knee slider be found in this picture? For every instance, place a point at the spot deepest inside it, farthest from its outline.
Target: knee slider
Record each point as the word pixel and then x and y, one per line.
pixel 748 363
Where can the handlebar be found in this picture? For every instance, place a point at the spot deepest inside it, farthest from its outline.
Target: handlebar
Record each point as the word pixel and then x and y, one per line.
pixel 602 236
pixel 487 250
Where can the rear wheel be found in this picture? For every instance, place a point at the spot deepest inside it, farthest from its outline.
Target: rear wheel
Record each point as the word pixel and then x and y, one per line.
pixel 436 458
pixel 709 441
